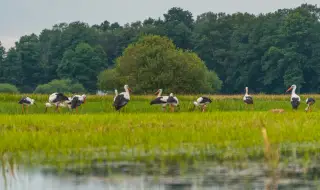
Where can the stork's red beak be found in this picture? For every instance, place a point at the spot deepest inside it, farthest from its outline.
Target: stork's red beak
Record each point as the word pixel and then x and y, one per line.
pixel 84 100
pixel 157 92
pixel 289 89
pixel 130 90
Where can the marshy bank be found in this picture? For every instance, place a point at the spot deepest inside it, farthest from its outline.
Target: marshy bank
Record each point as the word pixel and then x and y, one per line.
pixel 136 136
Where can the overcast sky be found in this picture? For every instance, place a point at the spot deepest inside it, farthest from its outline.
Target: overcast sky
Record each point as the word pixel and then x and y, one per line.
pixel 20 17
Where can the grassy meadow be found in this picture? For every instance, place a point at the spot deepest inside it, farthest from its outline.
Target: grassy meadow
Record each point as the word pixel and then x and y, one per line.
pixel 143 132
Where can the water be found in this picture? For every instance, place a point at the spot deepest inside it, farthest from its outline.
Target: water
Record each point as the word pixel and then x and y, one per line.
pixel 291 171
pixel 251 176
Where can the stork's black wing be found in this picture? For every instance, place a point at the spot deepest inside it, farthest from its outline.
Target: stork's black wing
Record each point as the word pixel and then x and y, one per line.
pixel 120 101
pixel 24 101
pixel 311 101
pixel 205 100
pixel 171 100
pixel 295 103
pixel 158 100
pixel 60 97
pixel 75 102
pixel 248 100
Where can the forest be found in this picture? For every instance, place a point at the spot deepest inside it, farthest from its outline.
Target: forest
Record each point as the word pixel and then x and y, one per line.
pixel 266 52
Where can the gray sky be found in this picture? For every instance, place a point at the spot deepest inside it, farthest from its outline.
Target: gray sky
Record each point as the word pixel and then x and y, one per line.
pixel 20 17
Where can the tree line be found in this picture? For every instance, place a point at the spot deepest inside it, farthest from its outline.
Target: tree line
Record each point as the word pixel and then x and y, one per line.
pixel 266 52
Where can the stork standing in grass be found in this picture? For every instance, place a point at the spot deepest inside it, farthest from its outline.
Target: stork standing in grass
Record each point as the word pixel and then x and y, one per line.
pixel 295 99
pixel 76 100
pixel 203 102
pixel 56 99
pixel 26 102
pixel 310 102
pixel 173 102
pixel 122 99
pixel 162 100
pixel 247 99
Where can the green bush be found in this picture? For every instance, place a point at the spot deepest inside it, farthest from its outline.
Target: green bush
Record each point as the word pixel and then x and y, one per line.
pixel 108 79
pixel 8 88
pixel 155 62
pixel 65 86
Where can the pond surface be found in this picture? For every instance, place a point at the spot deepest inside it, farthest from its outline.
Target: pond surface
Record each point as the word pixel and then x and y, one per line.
pixel 290 170
pixel 209 176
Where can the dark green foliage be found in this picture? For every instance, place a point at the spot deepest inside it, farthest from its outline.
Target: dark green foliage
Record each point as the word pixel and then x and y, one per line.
pixel 267 52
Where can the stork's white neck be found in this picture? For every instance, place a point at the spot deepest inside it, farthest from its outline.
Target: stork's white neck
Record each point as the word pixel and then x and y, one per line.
pixel 127 94
pixel 160 92
pixel 246 92
pixel 293 93
pixel 126 89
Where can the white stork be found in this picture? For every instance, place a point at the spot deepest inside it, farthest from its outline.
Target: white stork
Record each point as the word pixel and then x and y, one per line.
pixel 122 99
pixel 173 102
pixel 160 100
pixel 295 99
pixel 310 102
pixel 247 99
pixel 26 101
pixel 203 102
pixel 57 99
pixel 76 100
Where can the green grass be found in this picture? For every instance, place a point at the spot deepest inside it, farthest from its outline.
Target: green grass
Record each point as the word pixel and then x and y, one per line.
pixel 129 136
pixel 143 132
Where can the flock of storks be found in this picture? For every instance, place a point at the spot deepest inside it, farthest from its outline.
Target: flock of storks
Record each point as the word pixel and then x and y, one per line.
pixel 56 99
pixel 120 100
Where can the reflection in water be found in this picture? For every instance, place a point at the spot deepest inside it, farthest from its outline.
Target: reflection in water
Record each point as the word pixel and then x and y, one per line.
pixel 126 175
pixel 271 153
pixel 289 172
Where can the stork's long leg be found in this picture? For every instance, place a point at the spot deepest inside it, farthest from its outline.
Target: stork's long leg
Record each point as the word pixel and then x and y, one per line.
pixel 77 109
pixel 22 106
pixel 26 109
pixel 57 107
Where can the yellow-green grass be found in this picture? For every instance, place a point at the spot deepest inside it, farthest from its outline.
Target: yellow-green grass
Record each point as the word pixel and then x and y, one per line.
pixel 139 136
